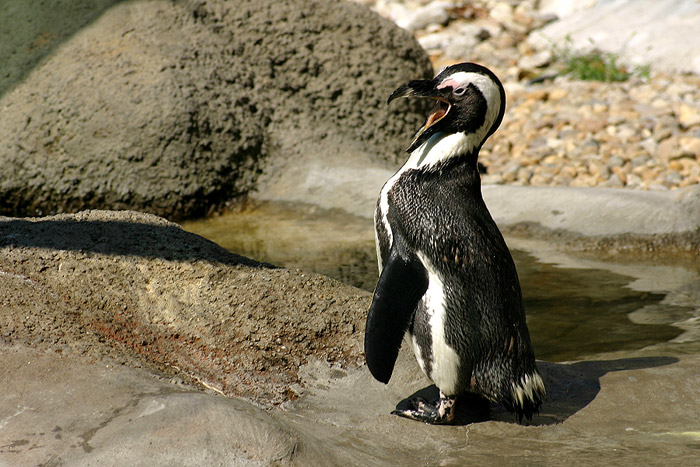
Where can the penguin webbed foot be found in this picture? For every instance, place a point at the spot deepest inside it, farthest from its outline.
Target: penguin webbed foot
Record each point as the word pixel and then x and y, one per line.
pixel 440 412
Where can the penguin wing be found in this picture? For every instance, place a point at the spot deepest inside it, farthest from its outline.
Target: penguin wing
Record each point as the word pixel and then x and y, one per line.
pixel 401 285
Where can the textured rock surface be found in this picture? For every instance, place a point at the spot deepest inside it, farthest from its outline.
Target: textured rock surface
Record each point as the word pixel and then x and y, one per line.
pixel 135 286
pixel 173 108
pixel 103 413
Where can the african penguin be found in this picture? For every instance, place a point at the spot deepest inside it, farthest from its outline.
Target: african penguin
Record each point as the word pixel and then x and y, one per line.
pixel 446 275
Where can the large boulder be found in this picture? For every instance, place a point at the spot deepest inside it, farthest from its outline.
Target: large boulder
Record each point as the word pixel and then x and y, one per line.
pixel 177 108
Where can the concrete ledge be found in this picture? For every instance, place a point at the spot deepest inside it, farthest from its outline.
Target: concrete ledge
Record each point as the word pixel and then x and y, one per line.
pixel 597 211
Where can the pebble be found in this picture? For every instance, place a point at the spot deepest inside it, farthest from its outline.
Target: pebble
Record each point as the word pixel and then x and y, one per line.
pixel 643 133
pixel 502 12
pixel 688 116
pixel 430 14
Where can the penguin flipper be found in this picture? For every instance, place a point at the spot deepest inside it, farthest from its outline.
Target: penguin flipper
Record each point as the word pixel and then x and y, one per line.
pixel 401 285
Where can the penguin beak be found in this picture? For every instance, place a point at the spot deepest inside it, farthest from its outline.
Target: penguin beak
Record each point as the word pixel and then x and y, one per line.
pixel 425 89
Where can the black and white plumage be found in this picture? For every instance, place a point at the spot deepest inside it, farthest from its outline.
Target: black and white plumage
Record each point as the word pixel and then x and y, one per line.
pixel 446 275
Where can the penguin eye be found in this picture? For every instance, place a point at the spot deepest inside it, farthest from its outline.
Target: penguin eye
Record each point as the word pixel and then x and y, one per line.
pixel 459 91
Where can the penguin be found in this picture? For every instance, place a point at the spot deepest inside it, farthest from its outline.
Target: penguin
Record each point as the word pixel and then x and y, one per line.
pixel 446 276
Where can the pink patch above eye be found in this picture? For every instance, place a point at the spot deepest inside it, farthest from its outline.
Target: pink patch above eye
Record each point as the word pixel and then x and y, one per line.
pixel 449 83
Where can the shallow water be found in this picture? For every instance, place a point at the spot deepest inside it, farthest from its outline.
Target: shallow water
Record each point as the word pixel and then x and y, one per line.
pixel 573 312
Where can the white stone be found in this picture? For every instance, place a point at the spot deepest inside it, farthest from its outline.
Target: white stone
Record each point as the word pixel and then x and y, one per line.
pixel 491 26
pixel 433 13
pixel 537 60
pixel 461 46
pixel 454 41
pixel 564 8
pixel 502 12
pixel 688 115
pixel 392 10
pixel 435 41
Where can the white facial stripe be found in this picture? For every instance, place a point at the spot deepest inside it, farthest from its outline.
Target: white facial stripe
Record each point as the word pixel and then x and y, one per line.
pixel 483 82
pixel 441 147
pixel 488 88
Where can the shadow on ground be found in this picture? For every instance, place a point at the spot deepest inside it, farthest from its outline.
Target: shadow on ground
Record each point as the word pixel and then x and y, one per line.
pixel 570 388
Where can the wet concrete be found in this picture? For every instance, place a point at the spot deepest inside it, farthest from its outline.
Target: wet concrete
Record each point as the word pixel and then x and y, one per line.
pixel 638 410
pixel 628 411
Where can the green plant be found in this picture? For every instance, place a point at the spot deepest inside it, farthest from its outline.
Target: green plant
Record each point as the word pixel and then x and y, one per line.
pixel 594 65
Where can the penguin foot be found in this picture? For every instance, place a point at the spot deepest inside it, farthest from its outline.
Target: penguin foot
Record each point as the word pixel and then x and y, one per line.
pixel 441 412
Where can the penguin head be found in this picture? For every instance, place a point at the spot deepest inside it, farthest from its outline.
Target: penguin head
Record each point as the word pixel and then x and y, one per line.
pixel 469 99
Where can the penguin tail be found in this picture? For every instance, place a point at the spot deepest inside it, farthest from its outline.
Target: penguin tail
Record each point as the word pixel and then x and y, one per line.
pixel 527 395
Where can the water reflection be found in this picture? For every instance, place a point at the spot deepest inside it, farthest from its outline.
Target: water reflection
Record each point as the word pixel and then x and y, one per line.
pixel 577 312
pixel 331 243
pixel 572 313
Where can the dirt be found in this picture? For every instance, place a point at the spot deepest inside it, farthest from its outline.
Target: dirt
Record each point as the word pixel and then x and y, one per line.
pixel 141 290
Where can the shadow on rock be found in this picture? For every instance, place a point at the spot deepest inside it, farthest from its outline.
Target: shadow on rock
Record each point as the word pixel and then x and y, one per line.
pixel 122 237
pixel 38 29
pixel 570 388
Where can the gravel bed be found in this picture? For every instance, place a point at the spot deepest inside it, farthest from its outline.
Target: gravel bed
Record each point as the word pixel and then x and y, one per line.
pixel 643 133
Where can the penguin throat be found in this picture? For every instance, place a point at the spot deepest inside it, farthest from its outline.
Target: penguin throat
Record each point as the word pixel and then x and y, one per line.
pixel 442 147
pixel 440 111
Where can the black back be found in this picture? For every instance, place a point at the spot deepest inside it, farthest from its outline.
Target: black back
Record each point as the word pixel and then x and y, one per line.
pixel 442 214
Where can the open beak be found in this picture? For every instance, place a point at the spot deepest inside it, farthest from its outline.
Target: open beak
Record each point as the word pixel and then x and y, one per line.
pixel 424 89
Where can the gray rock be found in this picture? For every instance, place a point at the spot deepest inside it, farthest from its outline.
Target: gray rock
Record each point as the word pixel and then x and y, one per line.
pixel 613 181
pixel 617 213
pixel 454 43
pixel 436 40
pixel 123 287
pixel 666 121
pixel 510 171
pixel 177 108
pixel 69 411
pixel 640 160
pixel 614 161
pixel 537 60
pixel 649 145
pixel 673 178
pixel 460 46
